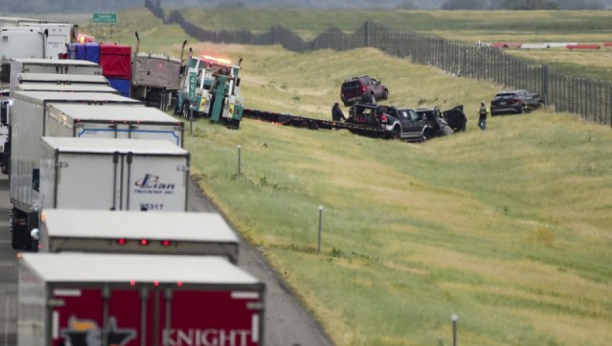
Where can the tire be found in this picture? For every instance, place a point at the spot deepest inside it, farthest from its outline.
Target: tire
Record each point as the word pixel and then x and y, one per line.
pixel 425 136
pixel 397 132
pixel 521 109
pixel 372 98
pixel 386 94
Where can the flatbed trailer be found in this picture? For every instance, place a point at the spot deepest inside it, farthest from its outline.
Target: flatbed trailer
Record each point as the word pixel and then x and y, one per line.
pixel 288 119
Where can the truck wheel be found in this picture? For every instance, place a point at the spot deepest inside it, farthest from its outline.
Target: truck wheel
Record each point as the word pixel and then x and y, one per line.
pixel 372 98
pixel 396 133
pixel 386 94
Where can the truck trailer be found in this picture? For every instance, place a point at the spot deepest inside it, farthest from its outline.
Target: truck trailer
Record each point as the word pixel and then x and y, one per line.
pixel 137 300
pixel 63 82
pixel 112 121
pixel 105 231
pixel 103 174
pixel 14 67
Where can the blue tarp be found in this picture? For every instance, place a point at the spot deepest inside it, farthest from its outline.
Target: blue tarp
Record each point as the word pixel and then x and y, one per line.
pixel 122 85
pixel 85 51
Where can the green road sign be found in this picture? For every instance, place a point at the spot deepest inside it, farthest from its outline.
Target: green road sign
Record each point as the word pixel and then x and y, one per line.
pixel 108 18
pixel 192 86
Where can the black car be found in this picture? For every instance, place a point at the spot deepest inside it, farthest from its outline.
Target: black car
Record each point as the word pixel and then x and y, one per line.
pixel 365 88
pixel 403 123
pixel 515 102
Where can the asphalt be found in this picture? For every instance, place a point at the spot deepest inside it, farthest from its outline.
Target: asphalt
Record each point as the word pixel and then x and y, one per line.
pixel 287 322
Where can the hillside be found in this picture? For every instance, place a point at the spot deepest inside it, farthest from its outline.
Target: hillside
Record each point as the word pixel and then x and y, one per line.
pixel 508 228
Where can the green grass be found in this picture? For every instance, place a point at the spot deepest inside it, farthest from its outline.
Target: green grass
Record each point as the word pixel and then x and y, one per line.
pixel 509 228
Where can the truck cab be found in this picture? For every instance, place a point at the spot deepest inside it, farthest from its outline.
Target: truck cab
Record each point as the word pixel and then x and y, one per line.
pixel 216 92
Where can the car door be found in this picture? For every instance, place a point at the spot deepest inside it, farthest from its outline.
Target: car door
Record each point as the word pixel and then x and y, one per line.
pixel 376 87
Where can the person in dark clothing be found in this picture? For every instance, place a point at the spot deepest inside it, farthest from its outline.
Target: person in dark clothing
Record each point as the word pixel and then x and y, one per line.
pixel 482 121
pixel 337 113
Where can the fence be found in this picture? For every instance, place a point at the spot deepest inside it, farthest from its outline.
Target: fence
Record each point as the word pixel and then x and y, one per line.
pixel 591 99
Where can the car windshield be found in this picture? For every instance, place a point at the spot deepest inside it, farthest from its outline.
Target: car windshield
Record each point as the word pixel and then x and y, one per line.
pixel 351 85
pixel 505 96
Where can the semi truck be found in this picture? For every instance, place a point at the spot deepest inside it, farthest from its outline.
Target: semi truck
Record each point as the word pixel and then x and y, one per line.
pixel 137 300
pixel 58 36
pixel 211 88
pixel 104 231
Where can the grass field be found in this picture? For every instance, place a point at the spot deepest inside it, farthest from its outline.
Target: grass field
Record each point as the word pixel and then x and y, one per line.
pixel 508 228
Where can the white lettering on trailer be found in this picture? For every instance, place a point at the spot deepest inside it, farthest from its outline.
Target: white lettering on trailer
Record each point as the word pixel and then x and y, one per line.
pixel 207 337
pixel 55 325
pixel 245 295
pixel 255 328
pixel 66 293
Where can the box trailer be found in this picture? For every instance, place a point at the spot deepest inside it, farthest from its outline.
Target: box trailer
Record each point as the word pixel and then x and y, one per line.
pixel 134 300
pixel 67 79
pixel 14 67
pixel 58 36
pixel 112 174
pixel 104 231
pixel 20 42
pixel 90 88
pixel 112 121
pixel 104 174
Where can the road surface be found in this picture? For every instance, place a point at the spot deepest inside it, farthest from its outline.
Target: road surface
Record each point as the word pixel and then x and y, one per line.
pixel 287 322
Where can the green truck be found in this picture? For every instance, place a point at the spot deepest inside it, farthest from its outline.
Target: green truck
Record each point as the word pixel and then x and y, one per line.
pixel 211 89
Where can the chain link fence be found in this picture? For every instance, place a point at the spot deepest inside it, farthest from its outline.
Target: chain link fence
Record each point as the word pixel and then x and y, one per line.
pixel 591 99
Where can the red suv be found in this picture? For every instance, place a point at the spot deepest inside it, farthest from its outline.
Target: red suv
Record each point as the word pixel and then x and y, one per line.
pixel 366 89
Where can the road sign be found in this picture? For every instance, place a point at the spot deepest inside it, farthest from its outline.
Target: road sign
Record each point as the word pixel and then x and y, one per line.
pixel 192 86
pixel 108 18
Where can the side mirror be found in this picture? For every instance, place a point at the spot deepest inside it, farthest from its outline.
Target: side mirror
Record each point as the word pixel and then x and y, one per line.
pixel 36 179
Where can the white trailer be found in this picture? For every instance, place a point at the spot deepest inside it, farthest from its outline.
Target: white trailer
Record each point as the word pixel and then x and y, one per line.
pixel 22 42
pixel 76 120
pixel 14 67
pixel 103 231
pixel 90 88
pixel 66 79
pixel 28 123
pixel 111 174
pixel 58 36
pixel 121 299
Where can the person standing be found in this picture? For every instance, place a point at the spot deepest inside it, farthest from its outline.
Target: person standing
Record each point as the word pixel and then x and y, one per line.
pixel 337 113
pixel 482 121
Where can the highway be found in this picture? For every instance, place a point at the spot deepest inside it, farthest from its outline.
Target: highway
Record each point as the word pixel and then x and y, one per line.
pixel 287 322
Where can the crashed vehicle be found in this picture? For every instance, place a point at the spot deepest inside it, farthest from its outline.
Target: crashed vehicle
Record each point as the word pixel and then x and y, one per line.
pixel 515 102
pixel 455 117
pixel 399 123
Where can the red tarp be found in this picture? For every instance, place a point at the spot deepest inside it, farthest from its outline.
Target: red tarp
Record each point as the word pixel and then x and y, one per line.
pixel 607 44
pixel 115 60
pixel 583 46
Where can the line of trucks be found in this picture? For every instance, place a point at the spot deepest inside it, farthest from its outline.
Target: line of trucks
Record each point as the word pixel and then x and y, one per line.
pixel 98 192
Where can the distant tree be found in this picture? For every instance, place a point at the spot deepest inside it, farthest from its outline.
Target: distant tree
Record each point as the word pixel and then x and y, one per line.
pixel 231 4
pixel 407 5
pixel 464 5
pixel 529 5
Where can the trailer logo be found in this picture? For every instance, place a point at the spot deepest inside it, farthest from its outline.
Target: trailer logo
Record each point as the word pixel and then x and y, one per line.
pixel 87 333
pixel 151 184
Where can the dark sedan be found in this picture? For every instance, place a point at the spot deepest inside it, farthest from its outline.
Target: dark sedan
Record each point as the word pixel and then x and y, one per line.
pixel 515 102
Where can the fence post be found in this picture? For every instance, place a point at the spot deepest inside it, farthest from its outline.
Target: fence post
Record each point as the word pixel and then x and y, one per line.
pixel 366 42
pixel 545 84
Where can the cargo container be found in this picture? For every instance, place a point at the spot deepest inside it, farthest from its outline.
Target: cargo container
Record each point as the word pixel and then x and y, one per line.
pixel 112 121
pixel 135 300
pixel 103 231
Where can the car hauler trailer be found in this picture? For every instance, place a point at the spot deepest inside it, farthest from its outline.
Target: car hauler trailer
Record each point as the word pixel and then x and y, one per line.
pixel 104 231
pixel 105 174
pixel 129 300
pixel 112 121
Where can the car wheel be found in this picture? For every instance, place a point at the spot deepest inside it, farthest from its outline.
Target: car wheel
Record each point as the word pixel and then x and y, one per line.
pixel 396 133
pixel 425 136
pixel 521 109
pixel 386 94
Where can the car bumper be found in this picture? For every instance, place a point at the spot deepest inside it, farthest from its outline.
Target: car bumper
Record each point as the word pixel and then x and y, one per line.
pixel 505 110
